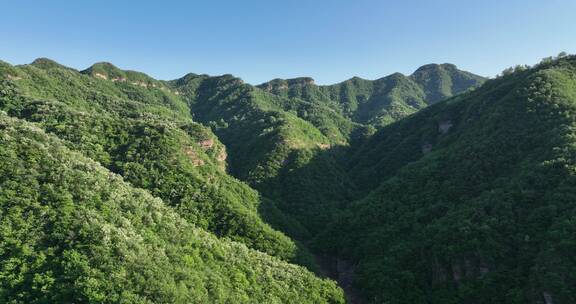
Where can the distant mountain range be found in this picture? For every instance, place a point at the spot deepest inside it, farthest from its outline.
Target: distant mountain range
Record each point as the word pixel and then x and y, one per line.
pixel 385 100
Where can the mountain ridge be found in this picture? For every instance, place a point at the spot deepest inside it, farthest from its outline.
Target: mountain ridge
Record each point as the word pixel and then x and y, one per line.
pixel 381 101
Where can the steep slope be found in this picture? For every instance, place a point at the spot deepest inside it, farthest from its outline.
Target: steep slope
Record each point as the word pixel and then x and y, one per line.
pixel 144 133
pixel 472 199
pixel 385 100
pixel 73 232
pixel 280 154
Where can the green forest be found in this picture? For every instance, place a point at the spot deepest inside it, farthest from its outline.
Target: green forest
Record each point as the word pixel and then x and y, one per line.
pixel 437 187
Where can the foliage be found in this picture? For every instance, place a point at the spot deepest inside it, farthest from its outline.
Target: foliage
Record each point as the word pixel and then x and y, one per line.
pixel 73 232
pixel 472 199
pixel 382 101
pixel 279 153
pixel 146 135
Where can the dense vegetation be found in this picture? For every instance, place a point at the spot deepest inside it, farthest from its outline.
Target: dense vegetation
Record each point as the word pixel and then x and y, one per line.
pixel 73 232
pixel 118 187
pixel 146 135
pixel 385 100
pixel 471 200
pixel 274 150
pixel 285 137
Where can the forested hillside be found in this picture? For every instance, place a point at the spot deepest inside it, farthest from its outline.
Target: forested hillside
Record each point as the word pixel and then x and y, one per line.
pixel 437 187
pixel 141 130
pixel 286 138
pixel 276 151
pixel 74 232
pixel 470 200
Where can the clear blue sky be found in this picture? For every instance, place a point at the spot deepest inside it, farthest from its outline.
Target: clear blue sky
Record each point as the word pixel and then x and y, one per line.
pixel 258 40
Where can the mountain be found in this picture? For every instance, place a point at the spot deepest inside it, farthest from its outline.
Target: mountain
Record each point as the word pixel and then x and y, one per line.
pixel 271 147
pixel 283 137
pixel 437 187
pixel 470 200
pixel 385 100
pixel 142 130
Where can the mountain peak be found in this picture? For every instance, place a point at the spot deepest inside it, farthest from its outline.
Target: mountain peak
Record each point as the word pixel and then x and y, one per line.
pixel 284 84
pixel 395 75
pixel 440 81
pixel 435 67
pixel 108 71
pixel 46 63
pixel 103 70
pixel 356 78
pixel 301 80
pixel 104 65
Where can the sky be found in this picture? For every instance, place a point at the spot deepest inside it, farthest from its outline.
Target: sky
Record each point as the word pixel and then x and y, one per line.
pixel 257 40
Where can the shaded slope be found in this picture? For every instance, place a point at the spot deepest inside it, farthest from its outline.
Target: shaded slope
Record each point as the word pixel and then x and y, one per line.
pixel 272 149
pixel 473 198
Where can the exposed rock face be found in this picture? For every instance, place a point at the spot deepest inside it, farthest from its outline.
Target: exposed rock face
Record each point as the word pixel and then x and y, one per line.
pixel 108 71
pixel 136 83
pixel 456 272
pixel 444 126
pixel 141 83
pixel 341 271
pixel 472 268
pixel 308 80
pixel 547 298
pixel 222 156
pixel 196 161
pixel 12 77
pixel 439 274
pixel 206 144
pixel 101 76
pixel 345 272
pixel 483 270
pixel 426 148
